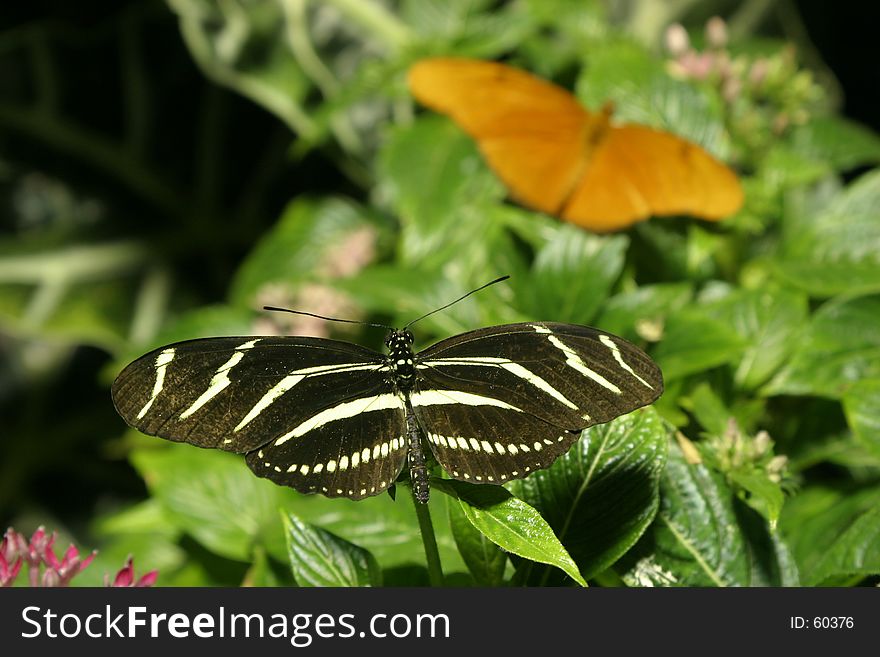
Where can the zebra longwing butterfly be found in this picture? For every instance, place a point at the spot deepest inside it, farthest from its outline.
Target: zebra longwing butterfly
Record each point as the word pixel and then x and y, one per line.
pixel 325 416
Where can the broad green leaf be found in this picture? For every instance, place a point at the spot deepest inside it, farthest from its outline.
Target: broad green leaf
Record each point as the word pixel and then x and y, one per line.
pixel 641 313
pixel 840 346
pixel 855 551
pixel 213 497
pixel 475 30
pixel 769 323
pixel 708 409
pixel 837 142
pixel 827 528
pixel 771 562
pixel 485 560
pixel 842 449
pixel 694 342
pixel 836 250
pixel 320 558
pixel 312 239
pixel 406 294
pixel 783 168
pixel 572 275
pixel 696 536
pixel 511 524
pixel 439 185
pixel 143 532
pixel 386 527
pixel 862 406
pixel 601 496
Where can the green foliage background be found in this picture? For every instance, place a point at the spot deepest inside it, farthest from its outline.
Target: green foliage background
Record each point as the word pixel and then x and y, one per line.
pixel 149 201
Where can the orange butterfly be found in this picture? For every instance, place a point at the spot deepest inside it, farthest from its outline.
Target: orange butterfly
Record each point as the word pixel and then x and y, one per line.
pixel 555 156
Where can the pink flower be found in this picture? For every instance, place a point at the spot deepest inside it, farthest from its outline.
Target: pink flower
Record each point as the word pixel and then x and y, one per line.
pixel 69 565
pixel 44 567
pixel 125 577
pixel 10 557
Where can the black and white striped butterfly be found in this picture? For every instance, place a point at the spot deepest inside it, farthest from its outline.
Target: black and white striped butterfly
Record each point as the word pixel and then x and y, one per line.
pixel 325 416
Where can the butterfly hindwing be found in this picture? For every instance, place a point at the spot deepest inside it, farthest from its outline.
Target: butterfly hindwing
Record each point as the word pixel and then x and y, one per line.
pixel 353 449
pixel 638 171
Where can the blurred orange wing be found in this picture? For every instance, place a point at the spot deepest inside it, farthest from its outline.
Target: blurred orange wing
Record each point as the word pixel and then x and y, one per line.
pixel 636 172
pixel 530 131
pixel 555 156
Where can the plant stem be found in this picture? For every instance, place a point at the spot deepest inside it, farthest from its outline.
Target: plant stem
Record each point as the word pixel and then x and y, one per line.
pixel 432 555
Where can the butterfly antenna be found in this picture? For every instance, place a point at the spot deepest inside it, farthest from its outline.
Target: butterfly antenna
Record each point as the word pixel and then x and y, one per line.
pixel 482 287
pixel 329 319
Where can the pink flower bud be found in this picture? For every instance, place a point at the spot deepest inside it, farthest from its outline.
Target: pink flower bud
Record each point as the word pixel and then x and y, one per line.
pixel 677 40
pixel 716 32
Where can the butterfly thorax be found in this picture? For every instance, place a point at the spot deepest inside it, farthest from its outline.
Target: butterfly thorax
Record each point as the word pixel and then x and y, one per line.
pixel 400 357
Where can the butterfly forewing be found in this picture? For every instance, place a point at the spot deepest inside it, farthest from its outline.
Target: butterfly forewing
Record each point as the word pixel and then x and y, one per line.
pixel 501 402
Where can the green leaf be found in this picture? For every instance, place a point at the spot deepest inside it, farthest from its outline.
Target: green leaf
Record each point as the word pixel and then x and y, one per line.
pixel 836 250
pixel 320 558
pixel 409 293
pixel 770 560
pixel 694 342
pixel 511 524
pixel 862 406
pixel 782 169
pixel 485 560
pixel 142 531
pixel 697 539
pixel 601 496
pixel 840 346
pixel 709 410
pixel 440 186
pixel 817 524
pixel 385 527
pixel 213 497
pixel 759 492
pixel 837 142
pixel 572 275
pixel 856 551
pixel 644 310
pixel 769 322
pixel 328 236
